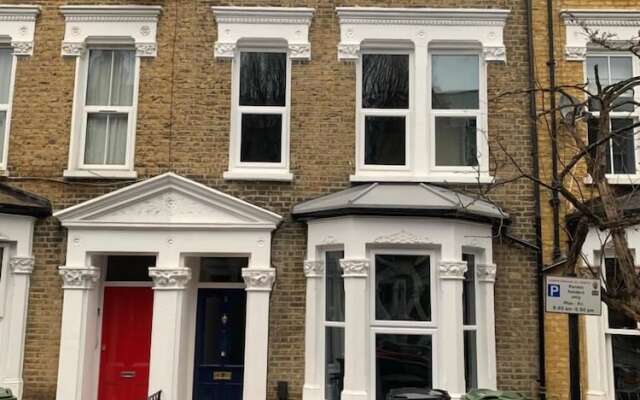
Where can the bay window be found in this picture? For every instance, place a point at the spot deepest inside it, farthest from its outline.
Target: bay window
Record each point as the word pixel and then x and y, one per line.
pixel 620 150
pixel 6 85
pixel 334 326
pixel 470 326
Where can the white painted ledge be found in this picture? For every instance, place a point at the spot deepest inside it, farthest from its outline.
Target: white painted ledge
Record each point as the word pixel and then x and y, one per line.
pixel 617 179
pixel 99 174
pixel 433 178
pixel 258 176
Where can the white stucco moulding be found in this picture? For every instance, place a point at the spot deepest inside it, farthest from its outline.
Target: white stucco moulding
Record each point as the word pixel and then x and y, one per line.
pixel 21 265
pixel 486 272
pixel 269 25
pixel 170 278
pixel 452 269
pixel 624 24
pixel 421 26
pixel 355 268
pixel 127 24
pixel 17 27
pixel 258 279
pixel 79 278
pixel 313 269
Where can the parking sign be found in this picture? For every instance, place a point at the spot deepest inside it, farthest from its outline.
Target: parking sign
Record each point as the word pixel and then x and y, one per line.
pixel 572 296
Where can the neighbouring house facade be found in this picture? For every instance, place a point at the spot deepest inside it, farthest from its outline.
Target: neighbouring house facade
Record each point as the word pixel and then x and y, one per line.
pixel 609 344
pixel 254 199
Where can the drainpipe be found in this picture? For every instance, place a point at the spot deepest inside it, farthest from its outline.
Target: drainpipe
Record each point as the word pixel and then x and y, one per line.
pixel 533 132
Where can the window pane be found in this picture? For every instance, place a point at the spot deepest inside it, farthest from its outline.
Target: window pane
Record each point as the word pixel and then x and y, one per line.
pixel 263 79
pixel 129 268
pixel 222 269
pixel 261 138
pixel 98 83
pixel 117 140
pixel 124 62
pixel 593 131
pixel 469 291
pixel 384 142
pixel 402 361
pixel 456 141
pixel 6 62
pixel 603 72
pixel 95 139
pixel 385 81
pixel 334 286
pixel 626 366
pixel 455 82
pixel 403 288
pixel 470 360
pixel 621 69
pixel 334 362
pixel 3 128
pixel 624 160
pixel 617 320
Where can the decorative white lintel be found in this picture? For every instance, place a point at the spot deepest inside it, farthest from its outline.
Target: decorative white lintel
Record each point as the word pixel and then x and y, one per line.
pixel 268 25
pixel 452 269
pixel 21 265
pixel 79 278
pixel 623 24
pixel 258 279
pixel 313 268
pixel 170 278
pixel 135 24
pixel 421 27
pixel 17 26
pixel 355 268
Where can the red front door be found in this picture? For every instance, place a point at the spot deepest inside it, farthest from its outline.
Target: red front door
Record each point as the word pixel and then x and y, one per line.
pixel 126 343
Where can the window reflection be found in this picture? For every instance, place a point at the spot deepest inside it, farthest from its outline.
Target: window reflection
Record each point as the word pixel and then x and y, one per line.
pixel 402 288
pixel 402 361
pixel 626 366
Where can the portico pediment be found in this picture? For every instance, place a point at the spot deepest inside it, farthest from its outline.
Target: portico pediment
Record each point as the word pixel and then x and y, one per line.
pixel 168 201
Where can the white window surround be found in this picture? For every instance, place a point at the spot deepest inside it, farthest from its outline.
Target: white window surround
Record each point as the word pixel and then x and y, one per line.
pixel 600 384
pixel 422 31
pixel 260 29
pixel 17 28
pixel 16 237
pixel 620 22
pixel 361 237
pixel 175 219
pixel 127 26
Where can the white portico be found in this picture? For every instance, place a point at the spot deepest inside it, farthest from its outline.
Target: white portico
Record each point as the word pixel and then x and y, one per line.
pixel 175 220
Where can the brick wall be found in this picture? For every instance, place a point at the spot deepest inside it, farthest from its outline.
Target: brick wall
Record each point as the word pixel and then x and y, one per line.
pixel 183 126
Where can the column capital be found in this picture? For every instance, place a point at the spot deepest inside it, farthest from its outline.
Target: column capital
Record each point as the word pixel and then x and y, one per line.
pixel 451 269
pixel 170 278
pixel 486 272
pixel 79 278
pixel 355 268
pixel 258 279
pixel 21 265
pixel 313 268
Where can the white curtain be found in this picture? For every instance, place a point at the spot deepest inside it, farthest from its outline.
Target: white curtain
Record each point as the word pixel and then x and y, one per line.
pixel 110 83
pixel 6 61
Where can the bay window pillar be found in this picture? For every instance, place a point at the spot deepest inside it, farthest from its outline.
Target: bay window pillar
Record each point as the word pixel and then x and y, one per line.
pixel 313 379
pixel 258 282
pixel 597 370
pixel 165 371
pixel 21 268
pixel 486 275
pixel 355 273
pixel 451 341
pixel 79 326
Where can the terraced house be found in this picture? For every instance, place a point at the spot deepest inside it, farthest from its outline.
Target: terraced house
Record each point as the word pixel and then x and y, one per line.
pixel 303 200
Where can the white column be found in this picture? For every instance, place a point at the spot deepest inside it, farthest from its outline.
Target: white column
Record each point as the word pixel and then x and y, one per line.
pixel 486 341
pixel 421 120
pixel 165 370
pixel 313 354
pixel 258 282
pixel 450 367
pixel 78 315
pixel 598 369
pixel 355 272
pixel 21 268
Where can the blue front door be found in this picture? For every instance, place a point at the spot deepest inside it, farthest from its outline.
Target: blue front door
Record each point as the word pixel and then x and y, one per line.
pixel 219 358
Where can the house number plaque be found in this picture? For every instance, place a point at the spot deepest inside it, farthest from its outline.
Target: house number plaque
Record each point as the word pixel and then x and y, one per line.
pixel 222 375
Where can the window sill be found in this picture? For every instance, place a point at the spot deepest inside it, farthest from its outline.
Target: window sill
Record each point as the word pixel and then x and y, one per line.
pixel 618 179
pixel 99 174
pixel 260 175
pixel 431 178
pixel 4 172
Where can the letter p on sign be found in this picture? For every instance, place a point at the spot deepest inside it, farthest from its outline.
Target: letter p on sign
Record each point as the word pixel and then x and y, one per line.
pixel 553 290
